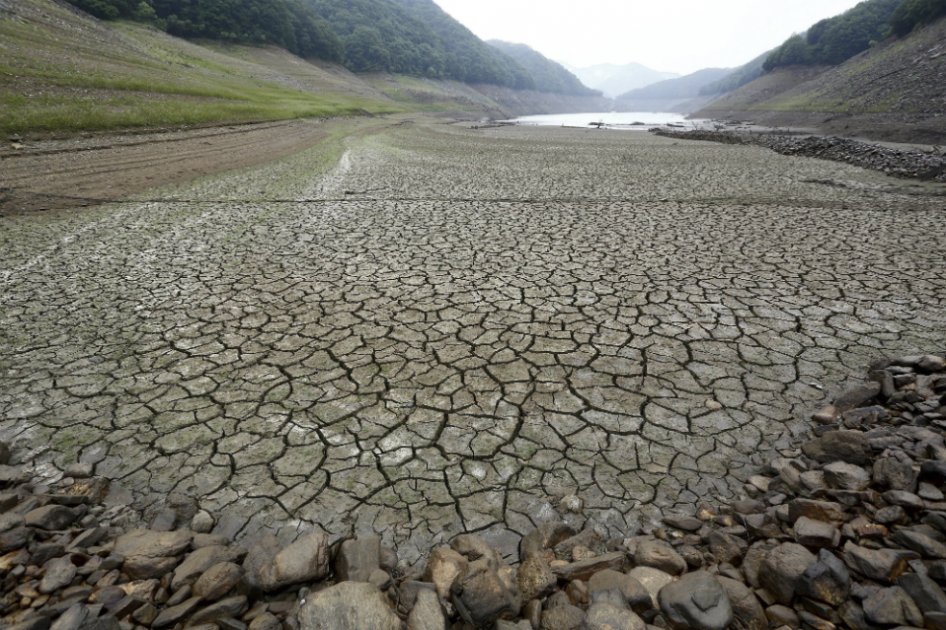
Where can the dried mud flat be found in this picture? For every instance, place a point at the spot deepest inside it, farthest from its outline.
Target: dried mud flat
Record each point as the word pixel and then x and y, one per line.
pixel 461 330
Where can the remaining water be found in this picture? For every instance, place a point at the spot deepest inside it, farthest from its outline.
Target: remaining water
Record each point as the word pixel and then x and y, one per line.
pixel 612 120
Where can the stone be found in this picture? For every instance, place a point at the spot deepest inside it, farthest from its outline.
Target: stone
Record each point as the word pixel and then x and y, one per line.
pixel 584 569
pixel 197 562
pixel 696 601
pixel 812 533
pixel 171 616
pixel 230 607
pixel 535 577
pixel 684 523
pixel 782 616
pixel 894 474
pixel 782 569
pixel 357 558
pixel 827 511
pixel 892 607
pixel 659 555
pixel 426 613
pixel 58 573
pixel 921 543
pixel 827 580
pixel 846 446
pixel 50 517
pixel 218 580
pixel 605 616
pixel 269 568
pixel 486 590
pixel 5 454
pixel 545 536
pixel 347 606
pixel 857 396
pixel 884 565
pixel 727 548
pixel 443 567
pixel 845 476
pixel 925 593
pixel 565 617
pixel 748 613
pixel 904 499
pixel 631 591
pixel 143 542
pixel 265 621
pixel 202 522
pixel 653 580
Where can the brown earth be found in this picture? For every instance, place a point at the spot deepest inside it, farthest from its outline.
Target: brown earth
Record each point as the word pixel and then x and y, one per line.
pixel 91 170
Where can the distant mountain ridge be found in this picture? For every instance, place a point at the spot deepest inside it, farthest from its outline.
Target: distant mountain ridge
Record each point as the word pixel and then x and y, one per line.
pixel 615 79
pixel 548 75
pixel 673 95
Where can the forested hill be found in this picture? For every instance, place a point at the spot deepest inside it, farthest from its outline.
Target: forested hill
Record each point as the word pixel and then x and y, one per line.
pixel 413 37
pixel 548 75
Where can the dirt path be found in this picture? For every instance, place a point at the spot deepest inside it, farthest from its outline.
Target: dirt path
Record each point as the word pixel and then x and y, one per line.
pixel 79 172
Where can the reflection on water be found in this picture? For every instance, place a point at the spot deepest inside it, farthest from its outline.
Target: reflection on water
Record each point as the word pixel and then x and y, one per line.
pixel 611 120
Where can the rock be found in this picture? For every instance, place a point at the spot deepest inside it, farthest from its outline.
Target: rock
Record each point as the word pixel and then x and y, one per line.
pixel 812 533
pixel 584 569
pixel 883 565
pixel 696 601
pixel 782 616
pixel 357 558
pixel 266 621
pixel 146 567
pixel 565 617
pixel 218 580
pixel 727 548
pixel 426 613
pixel 170 616
pixel 844 476
pixel 347 606
pixel 894 474
pixel 197 562
pixel 752 563
pixel 684 523
pixel 143 542
pixel 5 454
pixel 924 592
pixel 857 396
pixel 653 580
pixel 631 591
pixel 443 567
pixel 225 608
pixel 51 517
pixel 782 569
pixel 545 536
pixel 920 543
pixel 79 470
pixel 486 590
pixel 846 446
pixel 202 522
pixel 659 555
pixel 605 616
pixel 826 511
pixel 904 499
pixel 828 580
pixel 892 606
pixel 59 572
pixel 535 577
pixel 269 568
pixel 748 613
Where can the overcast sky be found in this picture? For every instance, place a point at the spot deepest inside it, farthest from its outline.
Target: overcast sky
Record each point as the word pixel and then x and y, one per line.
pixel 679 36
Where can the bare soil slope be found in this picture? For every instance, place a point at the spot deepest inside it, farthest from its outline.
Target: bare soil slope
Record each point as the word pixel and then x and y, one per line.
pixel 895 91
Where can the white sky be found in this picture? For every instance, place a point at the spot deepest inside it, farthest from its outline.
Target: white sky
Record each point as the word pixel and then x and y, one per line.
pixel 679 36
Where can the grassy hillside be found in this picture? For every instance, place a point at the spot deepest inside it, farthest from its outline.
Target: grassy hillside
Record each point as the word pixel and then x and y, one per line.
pixel 547 75
pixel 63 71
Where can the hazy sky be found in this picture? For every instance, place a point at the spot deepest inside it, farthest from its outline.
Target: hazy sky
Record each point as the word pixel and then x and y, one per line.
pixel 678 36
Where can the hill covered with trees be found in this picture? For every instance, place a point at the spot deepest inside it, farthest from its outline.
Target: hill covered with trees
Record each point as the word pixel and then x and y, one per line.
pixel 413 37
pixel 548 75
pixel 835 40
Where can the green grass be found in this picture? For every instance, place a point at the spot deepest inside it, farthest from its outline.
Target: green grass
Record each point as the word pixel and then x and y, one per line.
pixel 99 77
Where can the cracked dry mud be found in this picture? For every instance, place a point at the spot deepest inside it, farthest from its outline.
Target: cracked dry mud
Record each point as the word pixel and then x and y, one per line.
pixel 455 328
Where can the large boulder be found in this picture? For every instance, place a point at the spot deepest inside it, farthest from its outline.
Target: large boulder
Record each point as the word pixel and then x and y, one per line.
pixel 347 606
pixel 486 590
pixel 783 568
pixel 269 568
pixel 696 601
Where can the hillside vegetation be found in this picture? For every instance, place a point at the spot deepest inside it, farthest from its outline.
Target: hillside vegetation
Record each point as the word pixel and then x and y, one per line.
pixel 547 75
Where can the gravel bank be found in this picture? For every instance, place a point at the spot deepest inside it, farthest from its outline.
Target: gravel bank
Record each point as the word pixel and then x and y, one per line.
pixel 890 161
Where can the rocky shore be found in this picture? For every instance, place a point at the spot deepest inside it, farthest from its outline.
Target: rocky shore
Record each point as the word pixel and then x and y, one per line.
pixel 895 162
pixel 849 532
